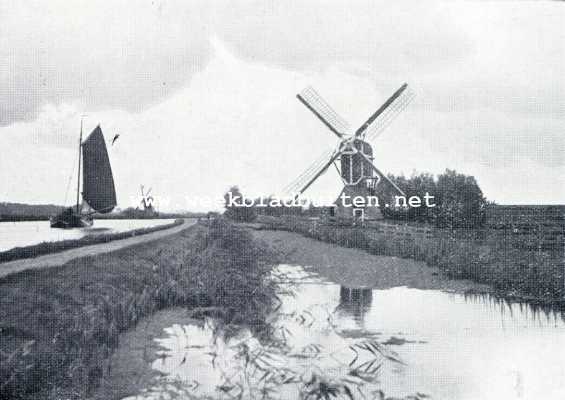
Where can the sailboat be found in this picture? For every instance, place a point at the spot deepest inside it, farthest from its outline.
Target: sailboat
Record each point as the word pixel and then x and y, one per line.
pixel 98 191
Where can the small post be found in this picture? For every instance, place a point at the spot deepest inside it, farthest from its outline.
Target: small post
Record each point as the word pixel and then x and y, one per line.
pixel 79 160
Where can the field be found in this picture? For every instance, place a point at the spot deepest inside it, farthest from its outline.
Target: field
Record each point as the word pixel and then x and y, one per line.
pixel 27 212
pixel 515 260
pixel 539 227
pixel 60 325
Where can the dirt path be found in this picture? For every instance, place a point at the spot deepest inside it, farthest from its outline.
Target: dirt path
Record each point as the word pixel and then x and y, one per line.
pixel 356 268
pixel 60 258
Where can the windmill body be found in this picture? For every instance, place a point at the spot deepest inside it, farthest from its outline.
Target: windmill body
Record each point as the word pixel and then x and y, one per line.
pixel 354 167
pixel 359 178
pixel 353 157
pixel 147 203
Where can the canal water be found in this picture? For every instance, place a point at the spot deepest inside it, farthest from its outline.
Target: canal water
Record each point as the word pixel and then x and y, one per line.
pixel 401 341
pixel 26 233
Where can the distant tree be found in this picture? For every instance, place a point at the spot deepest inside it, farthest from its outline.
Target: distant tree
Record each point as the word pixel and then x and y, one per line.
pixel 416 185
pixel 235 209
pixel 129 212
pixel 461 203
pixel 459 200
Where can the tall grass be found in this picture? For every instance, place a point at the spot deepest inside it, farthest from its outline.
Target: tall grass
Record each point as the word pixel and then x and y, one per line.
pixel 59 326
pixel 507 265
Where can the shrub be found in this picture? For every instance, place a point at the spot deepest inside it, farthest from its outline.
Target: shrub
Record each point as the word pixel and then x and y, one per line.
pixel 459 200
pixel 238 213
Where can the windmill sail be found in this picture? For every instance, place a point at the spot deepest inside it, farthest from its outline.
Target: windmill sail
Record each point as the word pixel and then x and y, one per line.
pixel 97 180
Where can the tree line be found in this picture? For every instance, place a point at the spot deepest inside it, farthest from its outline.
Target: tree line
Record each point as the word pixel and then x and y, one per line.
pixel 459 200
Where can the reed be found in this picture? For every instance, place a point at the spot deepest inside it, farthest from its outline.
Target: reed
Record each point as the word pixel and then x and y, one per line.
pixel 507 264
pixel 59 326
pixel 54 247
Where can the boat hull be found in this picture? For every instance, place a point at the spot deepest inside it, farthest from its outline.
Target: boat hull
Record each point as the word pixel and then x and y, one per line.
pixel 69 221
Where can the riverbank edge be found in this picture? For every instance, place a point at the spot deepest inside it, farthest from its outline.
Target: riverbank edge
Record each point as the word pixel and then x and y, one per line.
pixel 456 259
pixel 32 251
pixel 132 363
pixel 59 327
pixel 131 371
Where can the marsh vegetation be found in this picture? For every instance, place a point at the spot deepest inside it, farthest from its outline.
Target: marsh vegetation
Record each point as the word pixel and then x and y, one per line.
pixel 59 326
pixel 328 341
pixel 511 264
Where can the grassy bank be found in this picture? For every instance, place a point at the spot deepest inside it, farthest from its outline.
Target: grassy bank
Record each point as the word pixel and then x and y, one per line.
pixel 53 247
pixel 507 265
pixel 59 326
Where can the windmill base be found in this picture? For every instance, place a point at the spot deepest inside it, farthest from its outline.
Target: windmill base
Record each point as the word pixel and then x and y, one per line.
pixel 356 213
pixel 346 210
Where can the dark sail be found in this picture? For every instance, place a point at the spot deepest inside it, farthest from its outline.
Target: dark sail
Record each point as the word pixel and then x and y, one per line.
pixel 97 180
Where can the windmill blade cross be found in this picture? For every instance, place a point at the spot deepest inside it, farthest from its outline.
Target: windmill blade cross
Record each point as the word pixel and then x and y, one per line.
pixel 319 173
pixel 299 183
pixel 387 117
pixel 308 172
pixel 381 109
pixel 325 113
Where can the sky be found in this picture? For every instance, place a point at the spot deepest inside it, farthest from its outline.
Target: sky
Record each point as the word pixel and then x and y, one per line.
pixel 202 93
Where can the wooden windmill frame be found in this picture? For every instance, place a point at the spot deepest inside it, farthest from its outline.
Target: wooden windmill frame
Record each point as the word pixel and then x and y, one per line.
pixel 353 157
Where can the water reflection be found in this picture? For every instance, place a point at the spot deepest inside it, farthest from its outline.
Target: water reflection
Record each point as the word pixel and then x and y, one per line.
pixel 27 233
pixel 355 301
pixel 543 313
pixel 414 343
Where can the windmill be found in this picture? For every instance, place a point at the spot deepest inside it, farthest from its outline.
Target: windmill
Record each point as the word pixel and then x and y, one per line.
pixel 147 201
pixel 353 157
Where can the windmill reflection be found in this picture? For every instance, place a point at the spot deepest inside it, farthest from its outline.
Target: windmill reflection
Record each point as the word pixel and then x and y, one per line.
pixel 355 301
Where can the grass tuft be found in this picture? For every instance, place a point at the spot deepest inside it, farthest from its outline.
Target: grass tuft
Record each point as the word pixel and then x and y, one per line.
pixel 59 326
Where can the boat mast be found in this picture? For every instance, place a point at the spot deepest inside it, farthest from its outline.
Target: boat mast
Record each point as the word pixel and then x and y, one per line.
pixel 79 159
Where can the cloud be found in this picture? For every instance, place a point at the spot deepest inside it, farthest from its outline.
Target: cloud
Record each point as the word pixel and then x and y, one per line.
pixel 98 55
pixel 387 37
pixel 108 55
pixel 245 127
pixel 202 93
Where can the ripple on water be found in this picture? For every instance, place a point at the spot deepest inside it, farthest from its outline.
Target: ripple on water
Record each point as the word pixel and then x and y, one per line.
pixel 405 341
